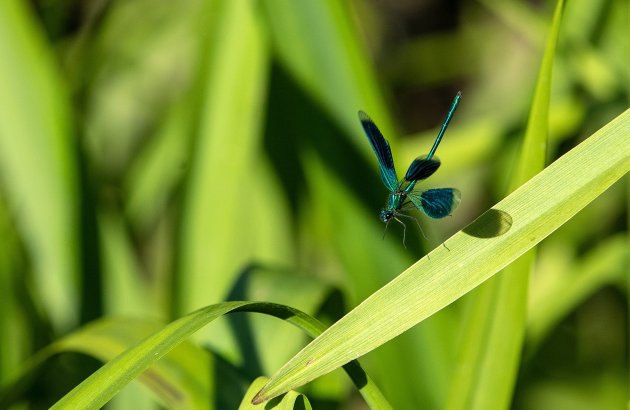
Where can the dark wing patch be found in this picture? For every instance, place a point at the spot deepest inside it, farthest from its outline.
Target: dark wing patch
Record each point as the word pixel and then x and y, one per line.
pixel 382 151
pixel 422 168
pixel 436 203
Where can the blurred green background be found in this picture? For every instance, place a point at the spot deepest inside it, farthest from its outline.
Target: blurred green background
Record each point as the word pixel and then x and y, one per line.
pixel 157 157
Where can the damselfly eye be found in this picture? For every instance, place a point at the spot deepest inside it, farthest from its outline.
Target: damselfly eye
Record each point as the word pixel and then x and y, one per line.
pixel 386 215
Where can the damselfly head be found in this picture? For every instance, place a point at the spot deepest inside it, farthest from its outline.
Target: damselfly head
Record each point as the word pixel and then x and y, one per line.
pixel 386 215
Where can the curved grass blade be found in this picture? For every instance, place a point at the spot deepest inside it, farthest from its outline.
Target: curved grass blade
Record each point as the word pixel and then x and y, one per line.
pixel 101 386
pixel 382 150
pixel 436 203
pixel 268 346
pixel 181 380
pixel 536 209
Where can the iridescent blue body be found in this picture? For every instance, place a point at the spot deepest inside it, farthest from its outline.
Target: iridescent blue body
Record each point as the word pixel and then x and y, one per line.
pixel 436 203
pixel 395 202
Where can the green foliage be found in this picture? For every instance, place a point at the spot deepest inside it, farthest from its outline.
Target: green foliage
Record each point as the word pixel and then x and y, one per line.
pixel 169 379
pixel 288 401
pixel 495 330
pixel 469 257
pixel 161 158
pixel 39 168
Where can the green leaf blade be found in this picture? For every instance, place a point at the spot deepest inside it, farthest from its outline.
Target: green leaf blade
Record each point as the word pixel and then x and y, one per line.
pixel 537 209
pixel 102 385
pixel 487 366
pixel 234 80
pixel 37 164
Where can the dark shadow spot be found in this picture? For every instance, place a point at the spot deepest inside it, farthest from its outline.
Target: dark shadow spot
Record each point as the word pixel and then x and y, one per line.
pixel 490 224
pixel 300 403
pixel 356 373
pixel 273 402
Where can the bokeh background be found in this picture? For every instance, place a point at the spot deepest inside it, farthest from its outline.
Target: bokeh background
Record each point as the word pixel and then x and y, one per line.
pixel 157 157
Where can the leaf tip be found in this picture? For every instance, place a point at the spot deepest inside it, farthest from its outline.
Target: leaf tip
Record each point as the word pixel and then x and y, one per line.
pixel 259 397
